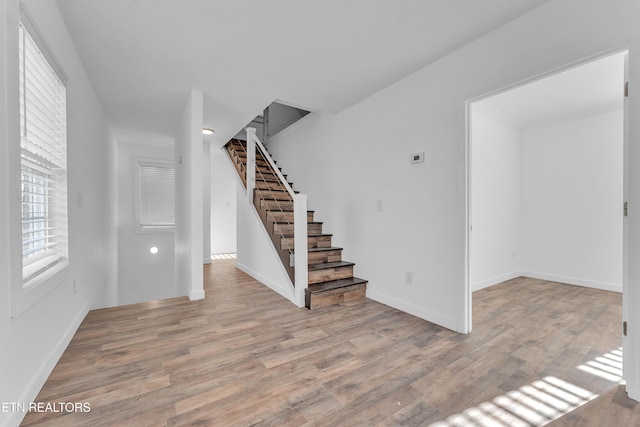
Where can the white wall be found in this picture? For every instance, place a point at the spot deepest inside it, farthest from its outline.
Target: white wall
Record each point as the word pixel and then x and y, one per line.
pixel 223 203
pixel 572 201
pixel 256 254
pixel 141 275
pixel 189 226
pixel 348 161
pixel 495 199
pixel 33 340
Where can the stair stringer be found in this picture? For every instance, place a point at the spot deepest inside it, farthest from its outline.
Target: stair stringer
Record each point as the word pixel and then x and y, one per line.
pixel 255 251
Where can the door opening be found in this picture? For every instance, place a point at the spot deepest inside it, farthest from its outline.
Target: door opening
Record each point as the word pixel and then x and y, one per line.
pixel 546 182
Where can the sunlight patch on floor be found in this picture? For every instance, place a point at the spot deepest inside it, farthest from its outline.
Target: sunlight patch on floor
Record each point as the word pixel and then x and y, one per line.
pixel 223 256
pixel 608 367
pixel 540 402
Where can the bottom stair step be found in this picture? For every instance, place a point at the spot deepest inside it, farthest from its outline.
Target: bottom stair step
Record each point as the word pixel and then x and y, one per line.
pixel 334 292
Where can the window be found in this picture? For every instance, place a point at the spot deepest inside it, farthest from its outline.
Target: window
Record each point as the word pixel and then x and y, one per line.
pixel 43 143
pixel 155 198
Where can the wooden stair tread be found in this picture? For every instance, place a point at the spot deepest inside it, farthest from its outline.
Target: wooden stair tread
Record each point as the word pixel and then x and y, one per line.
pixel 273 190
pixel 327 265
pixel 330 248
pixel 291 210
pixel 269 177
pixel 334 284
pixel 308 235
pixel 308 222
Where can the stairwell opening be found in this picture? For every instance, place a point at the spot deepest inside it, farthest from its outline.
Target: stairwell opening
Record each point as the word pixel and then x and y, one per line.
pixel 274 119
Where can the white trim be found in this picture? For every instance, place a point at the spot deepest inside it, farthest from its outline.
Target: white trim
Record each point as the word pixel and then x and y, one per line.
pixel 40 377
pixel 604 286
pixel 282 290
pixel 495 280
pixel 430 316
pixel 34 290
pixel 196 294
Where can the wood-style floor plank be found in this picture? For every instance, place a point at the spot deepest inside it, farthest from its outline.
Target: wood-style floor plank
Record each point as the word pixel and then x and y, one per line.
pixel 245 356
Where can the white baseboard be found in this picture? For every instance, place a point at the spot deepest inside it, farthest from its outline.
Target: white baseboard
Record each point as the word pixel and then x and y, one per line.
pixel 605 286
pixel 494 280
pixel 195 295
pixel 45 370
pixel 277 287
pixel 407 307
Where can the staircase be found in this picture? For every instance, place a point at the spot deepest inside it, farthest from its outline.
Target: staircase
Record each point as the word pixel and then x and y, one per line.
pixel 331 279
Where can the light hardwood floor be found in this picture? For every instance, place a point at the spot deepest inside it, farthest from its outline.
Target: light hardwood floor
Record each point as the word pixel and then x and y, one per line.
pixel 245 356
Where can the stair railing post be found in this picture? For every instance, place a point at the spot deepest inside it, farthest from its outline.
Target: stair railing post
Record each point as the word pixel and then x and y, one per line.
pixel 300 246
pixel 251 163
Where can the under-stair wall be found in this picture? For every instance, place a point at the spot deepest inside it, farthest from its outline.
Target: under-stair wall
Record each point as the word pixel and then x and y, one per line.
pixel 256 254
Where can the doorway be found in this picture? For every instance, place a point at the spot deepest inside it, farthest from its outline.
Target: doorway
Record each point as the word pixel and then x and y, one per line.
pixel 546 183
pixel 546 180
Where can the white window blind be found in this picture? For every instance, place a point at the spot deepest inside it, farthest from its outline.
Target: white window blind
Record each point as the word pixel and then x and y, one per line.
pixel 156 195
pixel 43 143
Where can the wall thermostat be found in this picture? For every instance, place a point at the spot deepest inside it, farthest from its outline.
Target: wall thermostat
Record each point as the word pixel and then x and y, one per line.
pixel 417 157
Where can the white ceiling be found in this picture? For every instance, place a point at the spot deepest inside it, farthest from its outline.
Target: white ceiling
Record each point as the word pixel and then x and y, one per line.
pixel 143 56
pixel 587 89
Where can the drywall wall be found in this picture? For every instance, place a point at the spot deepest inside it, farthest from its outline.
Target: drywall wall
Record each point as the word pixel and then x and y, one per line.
pixel 351 162
pixel 572 201
pixel 223 203
pixel 256 254
pixel 189 211
pixel 494 242
pixel 35 337
pixel 142 276
pixel 206 202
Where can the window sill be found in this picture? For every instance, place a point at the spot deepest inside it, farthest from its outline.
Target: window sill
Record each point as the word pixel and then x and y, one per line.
pixel 37 288
pixel 155 230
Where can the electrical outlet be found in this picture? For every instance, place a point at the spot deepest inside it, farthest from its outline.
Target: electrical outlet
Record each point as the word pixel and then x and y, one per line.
pixel 379 206
pixel 75 287
pixel 417 157
pixel 408 278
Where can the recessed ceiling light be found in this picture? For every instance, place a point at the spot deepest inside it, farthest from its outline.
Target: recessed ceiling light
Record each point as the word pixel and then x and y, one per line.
pixel 207 131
